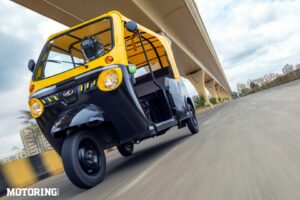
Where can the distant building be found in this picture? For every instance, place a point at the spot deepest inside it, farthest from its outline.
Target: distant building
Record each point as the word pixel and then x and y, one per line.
pixel 241 86
pixel 269 77
pixel 297 66
pixel 263 80
pixel 287 69
pixel 259 81
pixel 33 140
pixel 14 155
pixel 248 83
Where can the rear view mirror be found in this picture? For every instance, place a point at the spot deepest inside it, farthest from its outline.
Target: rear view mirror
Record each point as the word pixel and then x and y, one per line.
pixel 131 26
pixel 31 65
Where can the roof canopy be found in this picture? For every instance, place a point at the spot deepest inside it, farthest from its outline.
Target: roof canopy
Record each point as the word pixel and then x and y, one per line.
pixel 178 19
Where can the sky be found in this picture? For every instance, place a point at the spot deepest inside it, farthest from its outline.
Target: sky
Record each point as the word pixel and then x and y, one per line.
pixel 22 35
pixel 251 38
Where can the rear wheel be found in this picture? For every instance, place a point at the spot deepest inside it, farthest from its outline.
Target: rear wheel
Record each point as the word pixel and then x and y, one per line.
pixel 192 122
pixel 84 159
pixel 126 149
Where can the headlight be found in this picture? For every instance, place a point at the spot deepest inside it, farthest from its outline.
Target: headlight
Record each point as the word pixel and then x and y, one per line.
pixel 110 79
pixel 36 107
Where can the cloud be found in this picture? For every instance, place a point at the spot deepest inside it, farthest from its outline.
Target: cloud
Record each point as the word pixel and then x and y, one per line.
pixel 13 59
pixel 22 35
pixel 252 37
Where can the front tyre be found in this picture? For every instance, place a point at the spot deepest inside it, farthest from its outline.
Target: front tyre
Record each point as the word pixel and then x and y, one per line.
pixel 126 149
pixel 84 159
pixel 192 122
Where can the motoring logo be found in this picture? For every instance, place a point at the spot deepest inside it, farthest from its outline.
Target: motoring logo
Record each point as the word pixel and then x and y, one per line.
pixel 39 192
pixel 68 93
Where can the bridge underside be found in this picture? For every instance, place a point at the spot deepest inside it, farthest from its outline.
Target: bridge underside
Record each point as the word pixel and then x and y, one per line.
pixel 178 19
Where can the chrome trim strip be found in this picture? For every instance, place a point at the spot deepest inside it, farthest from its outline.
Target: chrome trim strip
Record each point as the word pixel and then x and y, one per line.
pixel 47 89
pixel 53 88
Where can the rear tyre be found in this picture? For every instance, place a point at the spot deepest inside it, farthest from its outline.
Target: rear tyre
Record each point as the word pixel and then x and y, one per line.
pixel 126 149
pixel 192 122
pixel 84 159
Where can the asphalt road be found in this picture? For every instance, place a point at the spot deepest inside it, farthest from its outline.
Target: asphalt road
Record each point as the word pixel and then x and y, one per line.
pixel 247 149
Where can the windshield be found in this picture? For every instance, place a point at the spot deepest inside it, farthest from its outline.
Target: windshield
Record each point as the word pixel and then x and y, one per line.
pixel 64 52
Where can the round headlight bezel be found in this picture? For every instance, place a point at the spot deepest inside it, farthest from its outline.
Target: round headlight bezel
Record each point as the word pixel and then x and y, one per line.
pixel 107 77
pixel 36 107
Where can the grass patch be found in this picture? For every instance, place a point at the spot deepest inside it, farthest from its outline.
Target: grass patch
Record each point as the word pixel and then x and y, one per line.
pixel 213 100
pixel 199 101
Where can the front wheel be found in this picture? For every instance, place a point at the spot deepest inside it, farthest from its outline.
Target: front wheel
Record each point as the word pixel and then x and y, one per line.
pixel 126 149
pixel 84 159
pixel 192 122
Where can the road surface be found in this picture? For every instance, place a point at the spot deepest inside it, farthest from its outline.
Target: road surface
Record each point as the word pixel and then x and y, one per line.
pixel 247 149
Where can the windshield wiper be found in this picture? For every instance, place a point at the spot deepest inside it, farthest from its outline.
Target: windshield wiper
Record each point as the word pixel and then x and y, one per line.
pixel 62 61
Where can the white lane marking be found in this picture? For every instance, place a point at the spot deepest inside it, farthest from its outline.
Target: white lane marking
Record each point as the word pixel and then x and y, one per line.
pixel 142 175
pixel 207 122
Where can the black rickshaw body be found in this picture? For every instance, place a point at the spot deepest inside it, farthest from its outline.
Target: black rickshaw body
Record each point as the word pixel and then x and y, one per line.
pixel 90 108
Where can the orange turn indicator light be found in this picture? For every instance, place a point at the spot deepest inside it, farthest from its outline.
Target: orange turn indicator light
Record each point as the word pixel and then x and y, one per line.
pixel 109 59
pixel 31 89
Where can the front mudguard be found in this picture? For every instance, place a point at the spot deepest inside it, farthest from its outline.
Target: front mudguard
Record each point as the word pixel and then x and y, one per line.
pixel 82 115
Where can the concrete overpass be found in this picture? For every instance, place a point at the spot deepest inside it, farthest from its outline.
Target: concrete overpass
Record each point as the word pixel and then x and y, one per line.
pixel 178 19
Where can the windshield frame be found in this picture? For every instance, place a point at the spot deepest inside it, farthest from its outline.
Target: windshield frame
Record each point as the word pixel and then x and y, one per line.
pixel 47 46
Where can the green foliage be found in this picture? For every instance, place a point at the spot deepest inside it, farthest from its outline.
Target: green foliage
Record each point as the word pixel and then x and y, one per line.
pixel 244 92
pixel 199 101
pixel 26 117
pixel 213 100
pixel 292 76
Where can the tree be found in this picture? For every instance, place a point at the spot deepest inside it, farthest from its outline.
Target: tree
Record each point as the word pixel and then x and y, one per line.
pixel 244 92
pixel 26 117
pixel 199 101
pixel 213 100
pixel 253 85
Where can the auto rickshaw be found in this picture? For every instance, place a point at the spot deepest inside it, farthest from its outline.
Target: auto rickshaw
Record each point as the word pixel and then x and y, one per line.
pixel 103 83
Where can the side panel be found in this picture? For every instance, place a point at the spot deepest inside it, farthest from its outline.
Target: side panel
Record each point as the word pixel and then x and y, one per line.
pixel 175 89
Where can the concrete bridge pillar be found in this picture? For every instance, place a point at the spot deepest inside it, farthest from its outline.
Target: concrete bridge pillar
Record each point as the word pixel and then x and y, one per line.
pixel 228 96
pixel 218 91
pixel 223 95
pixel 197 79
pixel 211 86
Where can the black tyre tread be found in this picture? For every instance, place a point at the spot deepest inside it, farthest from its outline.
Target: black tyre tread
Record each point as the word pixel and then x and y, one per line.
pixel 71 164
pixel 124 151
pixel 193 129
